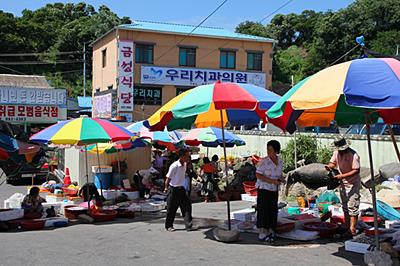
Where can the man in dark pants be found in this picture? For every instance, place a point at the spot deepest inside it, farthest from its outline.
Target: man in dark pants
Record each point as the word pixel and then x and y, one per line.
pixel 177 196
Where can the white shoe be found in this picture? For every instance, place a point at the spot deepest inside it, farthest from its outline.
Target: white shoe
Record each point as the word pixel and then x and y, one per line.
pixel 262 236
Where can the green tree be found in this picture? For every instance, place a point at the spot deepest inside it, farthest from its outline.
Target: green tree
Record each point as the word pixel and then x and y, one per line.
pixel 52 29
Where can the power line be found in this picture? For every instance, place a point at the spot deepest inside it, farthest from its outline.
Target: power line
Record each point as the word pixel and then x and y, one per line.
pixel 260 21
pixel 269 15
pixel 39 54
pixel 15 71
pixel 187 35
pixel 42 62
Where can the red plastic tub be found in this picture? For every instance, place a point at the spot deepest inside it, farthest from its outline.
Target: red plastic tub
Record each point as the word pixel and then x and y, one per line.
pixel 285 227
pixel 104 215
pixel 325 229
pixel 250 188
pixel 73 211
pixel 36 224
pixel 370 220
pixel 70 191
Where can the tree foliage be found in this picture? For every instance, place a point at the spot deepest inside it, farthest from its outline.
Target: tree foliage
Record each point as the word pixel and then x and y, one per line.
pixel 310 41
pixel 308 149
pixel 52 29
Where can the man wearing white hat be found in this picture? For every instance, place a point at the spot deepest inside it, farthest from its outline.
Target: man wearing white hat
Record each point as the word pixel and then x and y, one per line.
pixel 347 162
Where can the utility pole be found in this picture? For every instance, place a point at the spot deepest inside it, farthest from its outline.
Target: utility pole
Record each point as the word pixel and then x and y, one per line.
pixel 84 69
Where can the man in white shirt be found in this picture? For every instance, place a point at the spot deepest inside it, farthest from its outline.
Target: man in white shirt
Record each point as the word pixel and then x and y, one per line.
pixel 177 196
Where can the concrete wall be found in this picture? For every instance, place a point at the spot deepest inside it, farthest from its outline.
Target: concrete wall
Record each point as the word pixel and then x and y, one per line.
pixel 104 77
pixel 382 147
pixel 75 160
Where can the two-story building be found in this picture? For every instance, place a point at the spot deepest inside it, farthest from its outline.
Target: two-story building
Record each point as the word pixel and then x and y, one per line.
pixel 141 66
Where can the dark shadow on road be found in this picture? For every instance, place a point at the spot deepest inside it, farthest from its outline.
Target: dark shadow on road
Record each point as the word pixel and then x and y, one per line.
pixel 352 257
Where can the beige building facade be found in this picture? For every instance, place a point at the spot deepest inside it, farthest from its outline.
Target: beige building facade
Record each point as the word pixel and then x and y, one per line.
pixel 139 67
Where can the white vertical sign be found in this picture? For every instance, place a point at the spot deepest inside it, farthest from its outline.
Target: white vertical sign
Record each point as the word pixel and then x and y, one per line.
pixel 125 76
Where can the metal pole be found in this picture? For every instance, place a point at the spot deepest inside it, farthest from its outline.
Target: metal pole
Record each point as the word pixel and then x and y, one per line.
pixel 98 160
pixel 84 69
pixel 394 141
pixel 207 151
pixel 226 169
pixel 295 150
pixel 373 190
pixel 87 179
pixel 119 167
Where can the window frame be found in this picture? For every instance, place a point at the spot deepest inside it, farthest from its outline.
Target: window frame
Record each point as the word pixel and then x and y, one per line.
pixel 227 51
pixel 142 46
pixel 104 57
pixel 254 54
pixel 186 49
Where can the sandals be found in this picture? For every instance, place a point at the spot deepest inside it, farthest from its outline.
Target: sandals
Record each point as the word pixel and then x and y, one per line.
pixel 170 229
pixel 270 238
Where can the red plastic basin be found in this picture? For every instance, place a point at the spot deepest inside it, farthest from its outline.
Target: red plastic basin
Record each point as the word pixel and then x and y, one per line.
pixel 36 224
pixel 325 229
pixel 250 188
pixel 104 215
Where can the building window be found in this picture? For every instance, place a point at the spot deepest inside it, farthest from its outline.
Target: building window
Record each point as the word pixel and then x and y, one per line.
pixel 254 61
pixel 104 57
pixel 187 57
pixel 144 53
pixel 180 90
pixel 227 59
pixel 147 96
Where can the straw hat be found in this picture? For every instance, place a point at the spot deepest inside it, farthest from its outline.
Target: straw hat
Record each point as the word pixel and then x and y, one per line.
pixel 341 144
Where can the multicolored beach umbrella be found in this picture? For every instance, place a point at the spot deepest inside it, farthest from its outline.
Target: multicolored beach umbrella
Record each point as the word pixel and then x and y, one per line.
pixel 200 107
pixel 82 131
pixel 211 137
pixel 343 93
pixel 162 137
pixel 109 148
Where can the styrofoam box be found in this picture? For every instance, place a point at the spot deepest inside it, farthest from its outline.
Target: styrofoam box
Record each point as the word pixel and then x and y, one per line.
pixel 54 199
pixel 356 247
pixel 392 224
pixel 11 214
pixel 109 194
pixel 56 205
pixel 336 210
pixel 247 197
pixel 11 204
pixel 244 215
pixel 131 194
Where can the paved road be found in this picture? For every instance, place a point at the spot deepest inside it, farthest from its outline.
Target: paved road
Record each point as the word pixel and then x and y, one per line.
pixel 143 241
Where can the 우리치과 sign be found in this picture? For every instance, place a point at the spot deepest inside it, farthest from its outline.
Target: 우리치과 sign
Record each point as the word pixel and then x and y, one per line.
pixel 196 76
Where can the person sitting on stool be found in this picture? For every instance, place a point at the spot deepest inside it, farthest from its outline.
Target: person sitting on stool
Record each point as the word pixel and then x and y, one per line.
pixel 177 196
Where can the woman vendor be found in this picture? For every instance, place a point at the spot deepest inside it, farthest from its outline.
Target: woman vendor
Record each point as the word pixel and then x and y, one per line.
pixel 32 203
pixel 269 177
pixel 208 171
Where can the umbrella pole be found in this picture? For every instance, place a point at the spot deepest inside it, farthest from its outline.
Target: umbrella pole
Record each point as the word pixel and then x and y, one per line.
pixel 98 160
pixel 226 169
pixel 119 168
pixel 373 190
pixel 394 141
pixel 207 151
pixel 87 179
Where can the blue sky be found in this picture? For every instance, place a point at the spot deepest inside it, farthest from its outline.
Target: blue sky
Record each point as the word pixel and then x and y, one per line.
pixel 192 12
